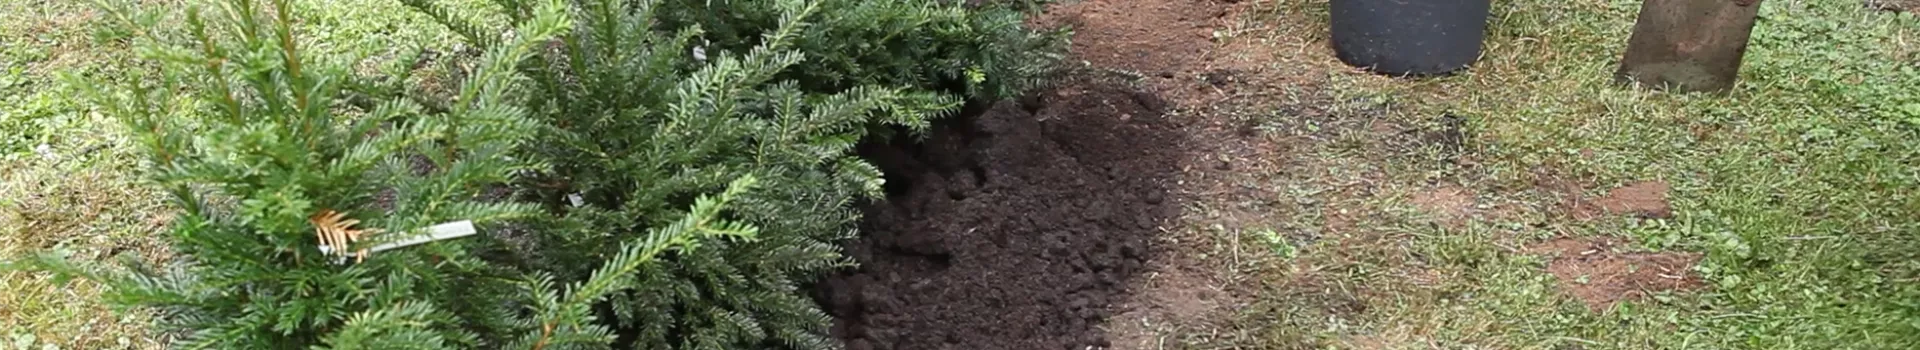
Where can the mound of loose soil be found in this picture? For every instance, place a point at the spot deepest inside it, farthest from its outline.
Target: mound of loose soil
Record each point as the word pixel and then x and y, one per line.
pixel 1012 229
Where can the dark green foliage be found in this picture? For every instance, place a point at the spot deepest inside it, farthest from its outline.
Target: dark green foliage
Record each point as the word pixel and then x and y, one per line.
pixel 984 52
pixel 243 132
pixel 646 102
pixel 253 139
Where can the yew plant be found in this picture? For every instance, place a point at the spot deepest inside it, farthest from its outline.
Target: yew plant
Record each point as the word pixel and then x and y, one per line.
pixel 645 103
pixel 978 51
pixel 290 197
pixel 657 174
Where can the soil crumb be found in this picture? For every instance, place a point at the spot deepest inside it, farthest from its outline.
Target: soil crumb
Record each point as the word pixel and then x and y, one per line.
pixel 1600 274
pixel 1017 228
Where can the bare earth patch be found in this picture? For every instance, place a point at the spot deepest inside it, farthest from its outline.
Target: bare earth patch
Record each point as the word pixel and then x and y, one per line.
pixel 1171 297
pixel 1644 199
pixel 1600 273
pixel 1647 200
pixel 1448 205
pixel 1163 39
pixel 1239 184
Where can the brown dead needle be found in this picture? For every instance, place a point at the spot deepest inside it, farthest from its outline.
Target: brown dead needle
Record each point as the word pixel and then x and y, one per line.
pixel 336 231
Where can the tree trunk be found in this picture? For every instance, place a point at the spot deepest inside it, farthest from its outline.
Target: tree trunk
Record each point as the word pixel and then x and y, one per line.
pixel 1688 45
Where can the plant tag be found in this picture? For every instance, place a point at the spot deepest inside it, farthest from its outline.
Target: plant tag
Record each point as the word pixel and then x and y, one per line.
pixel 576 199
pixel 449 230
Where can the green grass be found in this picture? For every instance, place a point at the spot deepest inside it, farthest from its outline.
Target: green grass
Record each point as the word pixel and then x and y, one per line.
pixel 65 183
pixel 1802 194
pixel 1799 188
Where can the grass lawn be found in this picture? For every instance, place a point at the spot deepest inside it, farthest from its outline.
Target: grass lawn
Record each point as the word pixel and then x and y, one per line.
pixel 1799 188
pixel 1369 222
pixel 64 181
pixel 1791 201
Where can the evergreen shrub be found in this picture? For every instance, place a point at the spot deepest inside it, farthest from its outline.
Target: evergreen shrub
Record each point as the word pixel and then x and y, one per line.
pixel 267 163
pixel 646 102
pixel 612 123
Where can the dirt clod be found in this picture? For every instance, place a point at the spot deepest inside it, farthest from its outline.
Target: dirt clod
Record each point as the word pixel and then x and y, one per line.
pixel 1012 229
pixel 1600 273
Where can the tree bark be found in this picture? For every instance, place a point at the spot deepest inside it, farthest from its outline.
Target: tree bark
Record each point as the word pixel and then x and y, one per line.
pixel 1688 45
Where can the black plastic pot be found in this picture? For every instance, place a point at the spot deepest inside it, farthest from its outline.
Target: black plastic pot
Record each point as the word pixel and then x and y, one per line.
pixel 1409 37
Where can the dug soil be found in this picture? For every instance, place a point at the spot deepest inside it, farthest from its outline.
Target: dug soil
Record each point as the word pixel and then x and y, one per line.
pixel 1015 226
pixel 1601 272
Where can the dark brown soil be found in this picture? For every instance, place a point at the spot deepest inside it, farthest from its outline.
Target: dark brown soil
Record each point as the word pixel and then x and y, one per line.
pixel 1600 274
pixel 1012 229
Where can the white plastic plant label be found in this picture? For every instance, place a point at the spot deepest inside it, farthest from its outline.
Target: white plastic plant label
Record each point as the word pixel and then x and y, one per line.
pixel 444 231
pixel 449 230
